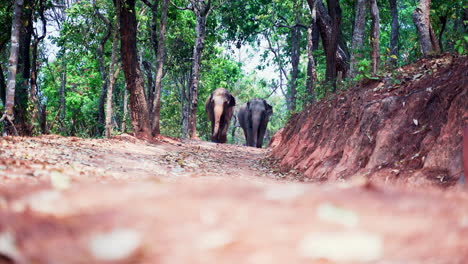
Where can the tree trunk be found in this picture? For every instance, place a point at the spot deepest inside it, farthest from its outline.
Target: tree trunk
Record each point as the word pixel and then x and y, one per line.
pixel 2 86
pixel 358 35
pixel 148 69
pixel 427 38
pixel 159 69
pixel 443 21
pixel 37 105
pixel 295 54
pixel 324 26
pixel 12 67
pixel 102 69
pixel 330 50
pixel 131 67
pixel 125 112
pixel 185 104
pixel 200 31
pixel 62 93
pixel 394 35
pixel 37 112
pixel 113 73
pixel 22 116
pixel 375 35
pixel 311 71
pixel 149 66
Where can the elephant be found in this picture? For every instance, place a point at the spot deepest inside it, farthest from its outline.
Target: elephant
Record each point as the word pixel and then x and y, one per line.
pixel 253 117
pixel 220 108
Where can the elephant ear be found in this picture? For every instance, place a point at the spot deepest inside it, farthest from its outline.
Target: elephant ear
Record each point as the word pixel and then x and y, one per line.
pixel 269 109
pixel 232 101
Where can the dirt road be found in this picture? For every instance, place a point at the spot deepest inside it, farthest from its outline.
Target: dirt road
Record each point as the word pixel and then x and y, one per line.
pixel 71 200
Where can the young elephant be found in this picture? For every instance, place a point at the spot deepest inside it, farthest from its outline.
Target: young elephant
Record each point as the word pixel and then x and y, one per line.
pixel 253 117
pixel 219 108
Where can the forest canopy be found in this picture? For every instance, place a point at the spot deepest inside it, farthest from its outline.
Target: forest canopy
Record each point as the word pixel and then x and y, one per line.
pixel 94 68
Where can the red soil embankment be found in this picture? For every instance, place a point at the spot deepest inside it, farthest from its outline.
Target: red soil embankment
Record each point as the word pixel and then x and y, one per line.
pixel 406 128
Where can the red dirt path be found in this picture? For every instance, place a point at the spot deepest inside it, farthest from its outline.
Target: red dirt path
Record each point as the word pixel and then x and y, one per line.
pixel 71 200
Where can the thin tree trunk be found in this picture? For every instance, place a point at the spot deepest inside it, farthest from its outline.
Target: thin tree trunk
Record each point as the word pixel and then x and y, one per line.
pixel 295 57
pixel 148 69
pixel 131 67
pixel 200 31
pixel 184 105
pixel 312 32
pixel 102 68
pixel 295 54
pixel 113 73
pixel 37 105
pixel 375 35
pixel 62 93
pixel 2 86
pixel 443 21
pixel 149 66
pixel 394 35
pixel 427 38
pixel 311 70
pixel 12 67
pixel 159 69
pixel 358 35
pixel 125 112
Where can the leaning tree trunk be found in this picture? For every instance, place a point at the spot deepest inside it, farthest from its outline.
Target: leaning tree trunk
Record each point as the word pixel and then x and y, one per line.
pixel 159 69
pixel 200 31
pixel 113 72
pixel 8 115
pixel 358 35
pixel 131 68
pixel 427 38
pixel 375 35
pixel 394 34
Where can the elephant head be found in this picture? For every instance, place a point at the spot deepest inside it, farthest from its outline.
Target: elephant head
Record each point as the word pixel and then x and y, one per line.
pixel 253 117
pixel 219 108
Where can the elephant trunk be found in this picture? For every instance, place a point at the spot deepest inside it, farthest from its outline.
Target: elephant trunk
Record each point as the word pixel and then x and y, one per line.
pixel 218 113
pixel 256 121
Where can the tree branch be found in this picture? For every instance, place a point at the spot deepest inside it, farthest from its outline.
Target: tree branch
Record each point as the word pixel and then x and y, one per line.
pixel 181 8
pixel 276 55
pixel 147 3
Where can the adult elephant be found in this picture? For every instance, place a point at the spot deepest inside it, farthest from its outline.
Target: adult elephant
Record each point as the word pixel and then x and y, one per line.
pixel 253 117
pixel 219 108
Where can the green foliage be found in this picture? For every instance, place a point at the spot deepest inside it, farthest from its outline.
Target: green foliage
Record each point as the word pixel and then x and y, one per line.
pixel 232 25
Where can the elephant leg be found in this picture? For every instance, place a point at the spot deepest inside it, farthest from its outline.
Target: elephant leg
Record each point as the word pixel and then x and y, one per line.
pixel 261 133
pixel 223 132
pixel 245 135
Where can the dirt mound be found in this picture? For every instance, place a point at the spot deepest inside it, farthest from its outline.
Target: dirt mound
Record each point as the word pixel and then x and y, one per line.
pixel 402 128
